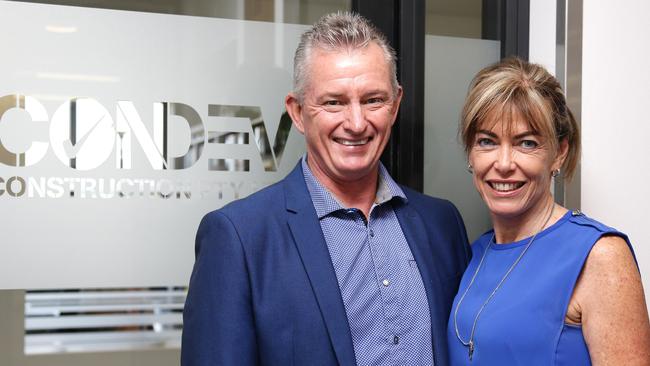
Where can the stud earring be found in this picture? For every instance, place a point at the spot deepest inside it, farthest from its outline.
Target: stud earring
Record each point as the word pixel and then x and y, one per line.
pixel 555 173
pixel 470 170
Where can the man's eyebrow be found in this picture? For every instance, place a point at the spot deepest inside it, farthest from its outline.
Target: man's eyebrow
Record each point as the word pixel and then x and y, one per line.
pixel 330 95
pixel 377 92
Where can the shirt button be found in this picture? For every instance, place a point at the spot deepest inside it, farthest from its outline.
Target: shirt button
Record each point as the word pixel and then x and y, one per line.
pixel 372 233
pixel 395 340
pixel 385 283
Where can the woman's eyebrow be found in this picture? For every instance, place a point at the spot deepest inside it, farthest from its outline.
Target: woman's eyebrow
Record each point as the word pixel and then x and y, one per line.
pixel 525 133
pixel 488 132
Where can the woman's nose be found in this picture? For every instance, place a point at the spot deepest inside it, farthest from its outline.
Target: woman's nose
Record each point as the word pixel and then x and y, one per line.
pixel 505 159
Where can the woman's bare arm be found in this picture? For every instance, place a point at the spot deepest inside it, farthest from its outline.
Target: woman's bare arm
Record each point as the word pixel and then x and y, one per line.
pixel 609 301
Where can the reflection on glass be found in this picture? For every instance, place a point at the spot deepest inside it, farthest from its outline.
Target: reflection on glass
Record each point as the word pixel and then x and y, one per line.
pixel 455 18
pixel 37 113
pixel 229 138
pixel 120 135
pixel 197 135
pixel 280 11
pixel 281 136
pixel 102 319
pixel 254 115
pixel 229 165
pixel 82 133
pixel 60 29
pixel 445 87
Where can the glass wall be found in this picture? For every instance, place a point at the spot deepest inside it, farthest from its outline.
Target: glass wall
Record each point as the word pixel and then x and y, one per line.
pixel 280 11
pixel 454 53
pixel 460 18
pixel 123 123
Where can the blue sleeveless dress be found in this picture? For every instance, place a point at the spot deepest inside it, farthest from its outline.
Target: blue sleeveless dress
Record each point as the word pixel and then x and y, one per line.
pixel 523 324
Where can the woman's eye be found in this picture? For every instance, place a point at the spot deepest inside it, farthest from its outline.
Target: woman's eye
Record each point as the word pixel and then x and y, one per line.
pixel 528 144
pixel 483 142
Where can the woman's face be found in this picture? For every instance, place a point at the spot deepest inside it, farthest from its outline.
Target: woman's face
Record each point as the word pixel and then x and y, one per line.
pixel 512 168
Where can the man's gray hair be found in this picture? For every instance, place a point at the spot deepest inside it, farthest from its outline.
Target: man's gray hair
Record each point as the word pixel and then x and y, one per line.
pixel 341 31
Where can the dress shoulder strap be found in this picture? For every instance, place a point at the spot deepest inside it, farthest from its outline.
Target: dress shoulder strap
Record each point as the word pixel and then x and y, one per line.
pixel 581 219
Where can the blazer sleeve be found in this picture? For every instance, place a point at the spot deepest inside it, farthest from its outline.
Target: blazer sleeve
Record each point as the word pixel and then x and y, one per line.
pixel 462 232
pixel 218 324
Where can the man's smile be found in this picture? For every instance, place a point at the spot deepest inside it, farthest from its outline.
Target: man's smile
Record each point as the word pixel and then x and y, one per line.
pixel 352 142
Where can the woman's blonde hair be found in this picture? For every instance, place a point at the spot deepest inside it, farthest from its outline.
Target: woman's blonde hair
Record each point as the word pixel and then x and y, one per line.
pixel 514 88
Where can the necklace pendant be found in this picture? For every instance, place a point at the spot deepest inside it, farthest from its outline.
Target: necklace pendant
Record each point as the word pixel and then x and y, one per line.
pixel 471 349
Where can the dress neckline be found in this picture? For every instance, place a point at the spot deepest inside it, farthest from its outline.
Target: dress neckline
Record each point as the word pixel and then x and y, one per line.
pixel 524 241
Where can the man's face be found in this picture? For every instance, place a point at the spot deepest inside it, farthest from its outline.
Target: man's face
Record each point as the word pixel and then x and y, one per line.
pixel 347 112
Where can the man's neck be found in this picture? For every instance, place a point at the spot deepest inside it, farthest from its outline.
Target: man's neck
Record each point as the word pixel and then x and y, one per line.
pixel 359 193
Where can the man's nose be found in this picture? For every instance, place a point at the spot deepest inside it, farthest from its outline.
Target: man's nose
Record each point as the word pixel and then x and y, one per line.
pixel 355 120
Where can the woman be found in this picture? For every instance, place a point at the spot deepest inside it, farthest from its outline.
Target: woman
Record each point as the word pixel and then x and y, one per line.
pixel 546 286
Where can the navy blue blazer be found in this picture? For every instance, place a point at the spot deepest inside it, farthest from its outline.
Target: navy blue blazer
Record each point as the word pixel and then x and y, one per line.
pixel 263 290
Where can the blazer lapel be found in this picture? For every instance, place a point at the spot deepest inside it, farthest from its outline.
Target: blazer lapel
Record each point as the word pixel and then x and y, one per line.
pixel 309 240
pixel 419 242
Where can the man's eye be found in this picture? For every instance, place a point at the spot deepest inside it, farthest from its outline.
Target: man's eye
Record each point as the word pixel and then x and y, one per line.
pixel 374 101
pixel 332 103
pixel 528 144
pixel 484 142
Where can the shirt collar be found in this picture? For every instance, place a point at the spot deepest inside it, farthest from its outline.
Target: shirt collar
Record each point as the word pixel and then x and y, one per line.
pixel 325 203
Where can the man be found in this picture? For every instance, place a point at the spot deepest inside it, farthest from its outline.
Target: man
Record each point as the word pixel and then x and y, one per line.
pixel 335 264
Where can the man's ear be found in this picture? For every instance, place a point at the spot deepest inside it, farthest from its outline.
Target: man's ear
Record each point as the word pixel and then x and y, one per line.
pixel 294 109
pixel 396 103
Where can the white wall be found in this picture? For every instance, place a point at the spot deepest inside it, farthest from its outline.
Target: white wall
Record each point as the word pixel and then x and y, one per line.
pixel 542 44
pixel 615 91
pixel 615 122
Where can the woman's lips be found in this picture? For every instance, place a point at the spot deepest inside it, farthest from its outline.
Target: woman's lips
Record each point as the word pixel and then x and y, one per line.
pixel 505 187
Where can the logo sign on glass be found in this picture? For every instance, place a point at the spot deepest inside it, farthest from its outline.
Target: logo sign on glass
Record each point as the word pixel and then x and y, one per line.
pixel 118 136
pixel 84 136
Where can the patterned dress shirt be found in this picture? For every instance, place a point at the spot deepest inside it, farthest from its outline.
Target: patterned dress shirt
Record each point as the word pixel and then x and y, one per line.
pixel 381 286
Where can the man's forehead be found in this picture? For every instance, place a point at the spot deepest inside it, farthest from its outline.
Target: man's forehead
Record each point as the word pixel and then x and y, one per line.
pixel 344 63
pixel 369 49
pixel 341 48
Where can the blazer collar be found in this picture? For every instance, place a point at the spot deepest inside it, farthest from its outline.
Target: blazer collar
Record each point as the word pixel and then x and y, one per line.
pixel 308 237
pixel 324 201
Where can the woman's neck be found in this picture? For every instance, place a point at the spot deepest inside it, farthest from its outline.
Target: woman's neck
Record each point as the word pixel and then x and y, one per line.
pixel 515 228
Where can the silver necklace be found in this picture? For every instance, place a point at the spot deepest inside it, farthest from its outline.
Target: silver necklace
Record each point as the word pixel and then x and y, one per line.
pixel 470 343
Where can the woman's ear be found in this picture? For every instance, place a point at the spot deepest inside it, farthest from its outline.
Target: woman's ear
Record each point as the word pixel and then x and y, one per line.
pixel 562 152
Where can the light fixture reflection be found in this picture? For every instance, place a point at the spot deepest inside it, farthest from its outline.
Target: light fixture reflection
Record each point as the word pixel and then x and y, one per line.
pixel 50 97
pixel 60 29
pixel 77 77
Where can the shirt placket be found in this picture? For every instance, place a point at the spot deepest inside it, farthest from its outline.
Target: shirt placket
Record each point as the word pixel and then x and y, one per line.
pixel 387 281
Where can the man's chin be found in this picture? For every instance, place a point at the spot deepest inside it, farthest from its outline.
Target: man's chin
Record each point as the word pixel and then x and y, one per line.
pixel 352 173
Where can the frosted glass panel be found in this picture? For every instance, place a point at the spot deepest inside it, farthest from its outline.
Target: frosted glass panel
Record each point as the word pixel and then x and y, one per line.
pixel 279 11
pixel 450 65
pixel 455 18
pixel 120 130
